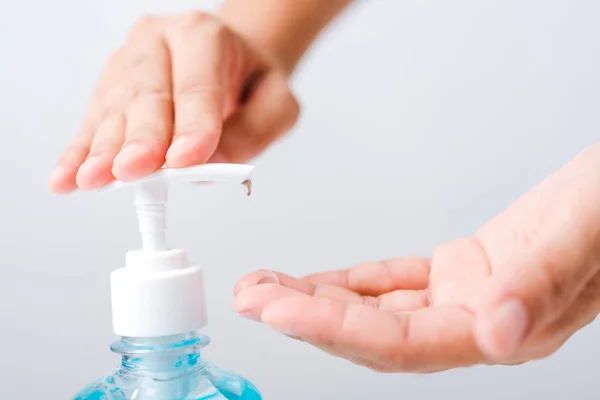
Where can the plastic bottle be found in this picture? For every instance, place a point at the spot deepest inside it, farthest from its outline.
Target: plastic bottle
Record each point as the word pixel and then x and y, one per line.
pixel 158 307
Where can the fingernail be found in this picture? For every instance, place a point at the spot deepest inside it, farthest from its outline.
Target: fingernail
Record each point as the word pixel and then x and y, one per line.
pixel 508 323
pixel 58 175
pixel 128 152
pixel 248 314
pixel 267 276
pixel 87 175
pixel 90 163
pixel 179 145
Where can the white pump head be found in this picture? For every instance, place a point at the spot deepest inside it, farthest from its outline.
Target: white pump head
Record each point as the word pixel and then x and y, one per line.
pixel 158 293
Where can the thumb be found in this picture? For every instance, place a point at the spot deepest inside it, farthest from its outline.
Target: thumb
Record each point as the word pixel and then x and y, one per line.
pixel 270 111
pixel 531 289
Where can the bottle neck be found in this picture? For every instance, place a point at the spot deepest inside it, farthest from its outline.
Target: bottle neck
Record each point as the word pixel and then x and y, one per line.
pixel 164 357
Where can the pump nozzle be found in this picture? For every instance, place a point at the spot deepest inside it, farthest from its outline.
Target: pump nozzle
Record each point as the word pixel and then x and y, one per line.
pixel 151 195
pixel 158 293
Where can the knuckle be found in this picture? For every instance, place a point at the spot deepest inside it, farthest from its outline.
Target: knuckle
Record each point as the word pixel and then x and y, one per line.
pixel 144 24
pixel 74 153
pixel 371 302
pixel 256 135
pixel 106 145
pixel 147 129
pixel 193 19
pixel 548 347
pixel 527 236
pixel 200 27
pixel 442 250
pixel 394 357
pixel 113 100
pixel 216 30
pixel 114 57
pixel 197 87
pixel 513 363
pixel 387 269
pixel 290 116
pixel 206 128
pixel 381 369
pixel 363 362
pixel 550 260
pixel 77 145
pixel 145 90
pixel 134 60
pixel 110 110
pixel 112 68
pixel 294 109
pixel 550 263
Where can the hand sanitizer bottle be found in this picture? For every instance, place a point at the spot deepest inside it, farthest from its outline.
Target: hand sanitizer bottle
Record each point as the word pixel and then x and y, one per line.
pixel 158 307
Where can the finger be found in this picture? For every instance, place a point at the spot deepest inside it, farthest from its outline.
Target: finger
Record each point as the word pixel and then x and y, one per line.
pixel 424 341
pixel 200 86
pixel 537 284
pixel 255 278
pixel 251 302
pixel 299 285
pixel 375 278
pixel 63 179
pixel 96 172
pixel 149 111
pixel 461 263
pixel 252 297
pixel 270 111
pixel 400 301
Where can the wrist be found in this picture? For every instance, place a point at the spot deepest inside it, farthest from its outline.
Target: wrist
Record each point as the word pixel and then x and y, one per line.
pixel 284 29
pixel 264 40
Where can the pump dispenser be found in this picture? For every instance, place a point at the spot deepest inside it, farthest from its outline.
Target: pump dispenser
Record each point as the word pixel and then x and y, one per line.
pixel 158 305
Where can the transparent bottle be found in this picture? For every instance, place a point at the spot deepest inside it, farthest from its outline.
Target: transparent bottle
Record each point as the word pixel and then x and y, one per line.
pixel 167 368
pixel 158 306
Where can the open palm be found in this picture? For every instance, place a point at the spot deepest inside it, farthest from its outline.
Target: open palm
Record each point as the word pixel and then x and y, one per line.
pixel 515 291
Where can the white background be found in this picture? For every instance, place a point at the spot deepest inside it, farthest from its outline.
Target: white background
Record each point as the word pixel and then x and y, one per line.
pixel 421 120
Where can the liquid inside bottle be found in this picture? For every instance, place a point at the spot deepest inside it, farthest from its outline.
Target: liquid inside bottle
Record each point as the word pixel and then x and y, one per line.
pixel 167 368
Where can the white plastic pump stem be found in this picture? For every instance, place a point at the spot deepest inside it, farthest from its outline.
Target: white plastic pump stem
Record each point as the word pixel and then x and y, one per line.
pixel 158 293
pixel 150 200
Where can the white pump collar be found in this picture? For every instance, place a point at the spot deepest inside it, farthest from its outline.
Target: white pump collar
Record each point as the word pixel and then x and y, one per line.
pixel 158 293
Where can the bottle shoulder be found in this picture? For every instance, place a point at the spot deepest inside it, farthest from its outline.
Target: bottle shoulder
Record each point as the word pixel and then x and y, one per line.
pixel 101 389
pixel 207 383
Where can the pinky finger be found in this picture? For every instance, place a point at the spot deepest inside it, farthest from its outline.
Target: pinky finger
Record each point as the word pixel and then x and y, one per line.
pixel 63 178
